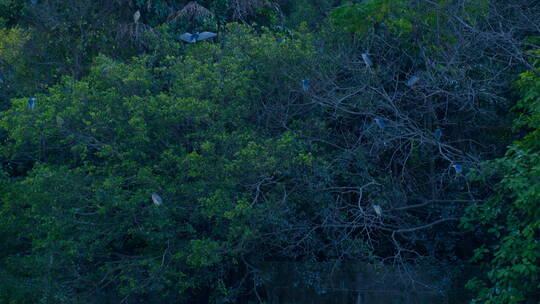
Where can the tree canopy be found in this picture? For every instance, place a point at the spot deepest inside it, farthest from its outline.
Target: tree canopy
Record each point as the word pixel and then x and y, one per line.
pixel 137 168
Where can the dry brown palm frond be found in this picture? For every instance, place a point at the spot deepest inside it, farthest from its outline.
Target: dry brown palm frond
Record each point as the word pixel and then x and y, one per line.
pixel 191 11
pixel 242 9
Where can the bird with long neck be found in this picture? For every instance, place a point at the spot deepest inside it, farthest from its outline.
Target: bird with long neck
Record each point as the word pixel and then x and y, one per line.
pixel 136 16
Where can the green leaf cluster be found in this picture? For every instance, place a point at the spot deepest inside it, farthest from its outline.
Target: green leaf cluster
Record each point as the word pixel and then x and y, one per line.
pixel 80 225
pixel 512 216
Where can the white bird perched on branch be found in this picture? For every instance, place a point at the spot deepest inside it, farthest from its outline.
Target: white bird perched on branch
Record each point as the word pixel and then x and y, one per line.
pixel 156 199
pixel 378 210
pixel 136 16
pixel 367 60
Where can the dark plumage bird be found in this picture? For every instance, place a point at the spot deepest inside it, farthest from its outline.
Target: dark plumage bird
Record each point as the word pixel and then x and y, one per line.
pixel 32 103
pixel 196 36
pixel 280 40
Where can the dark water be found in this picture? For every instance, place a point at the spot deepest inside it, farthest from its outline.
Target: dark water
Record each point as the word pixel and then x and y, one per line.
pixel 357 283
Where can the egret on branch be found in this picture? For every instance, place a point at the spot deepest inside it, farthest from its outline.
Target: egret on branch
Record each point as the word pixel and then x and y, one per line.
pixel 157 199
pixel 136 16
pixel 367 60
pixel 378 210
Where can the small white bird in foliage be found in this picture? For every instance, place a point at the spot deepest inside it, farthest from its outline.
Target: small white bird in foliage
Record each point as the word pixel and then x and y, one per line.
pixel 136 16
pixel 378 210
pixel 157 199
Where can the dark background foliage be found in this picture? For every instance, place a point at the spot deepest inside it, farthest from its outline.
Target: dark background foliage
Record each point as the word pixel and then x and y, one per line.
pixel 321 133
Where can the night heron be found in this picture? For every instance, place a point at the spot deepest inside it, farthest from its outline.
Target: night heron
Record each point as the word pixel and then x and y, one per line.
pixel 305 84
pixel 379 122
pixel 32 103
pixel 412 81
pixel 367 60
pixel 156 199
pixel 458 168
pixel 438 134
pixel 378 210
pixel 136 16
pixel 196 36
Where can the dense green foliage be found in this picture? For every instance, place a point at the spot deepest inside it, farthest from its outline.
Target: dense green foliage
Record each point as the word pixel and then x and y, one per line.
pixel 193 122
pixel 512 215
pixel 299 134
